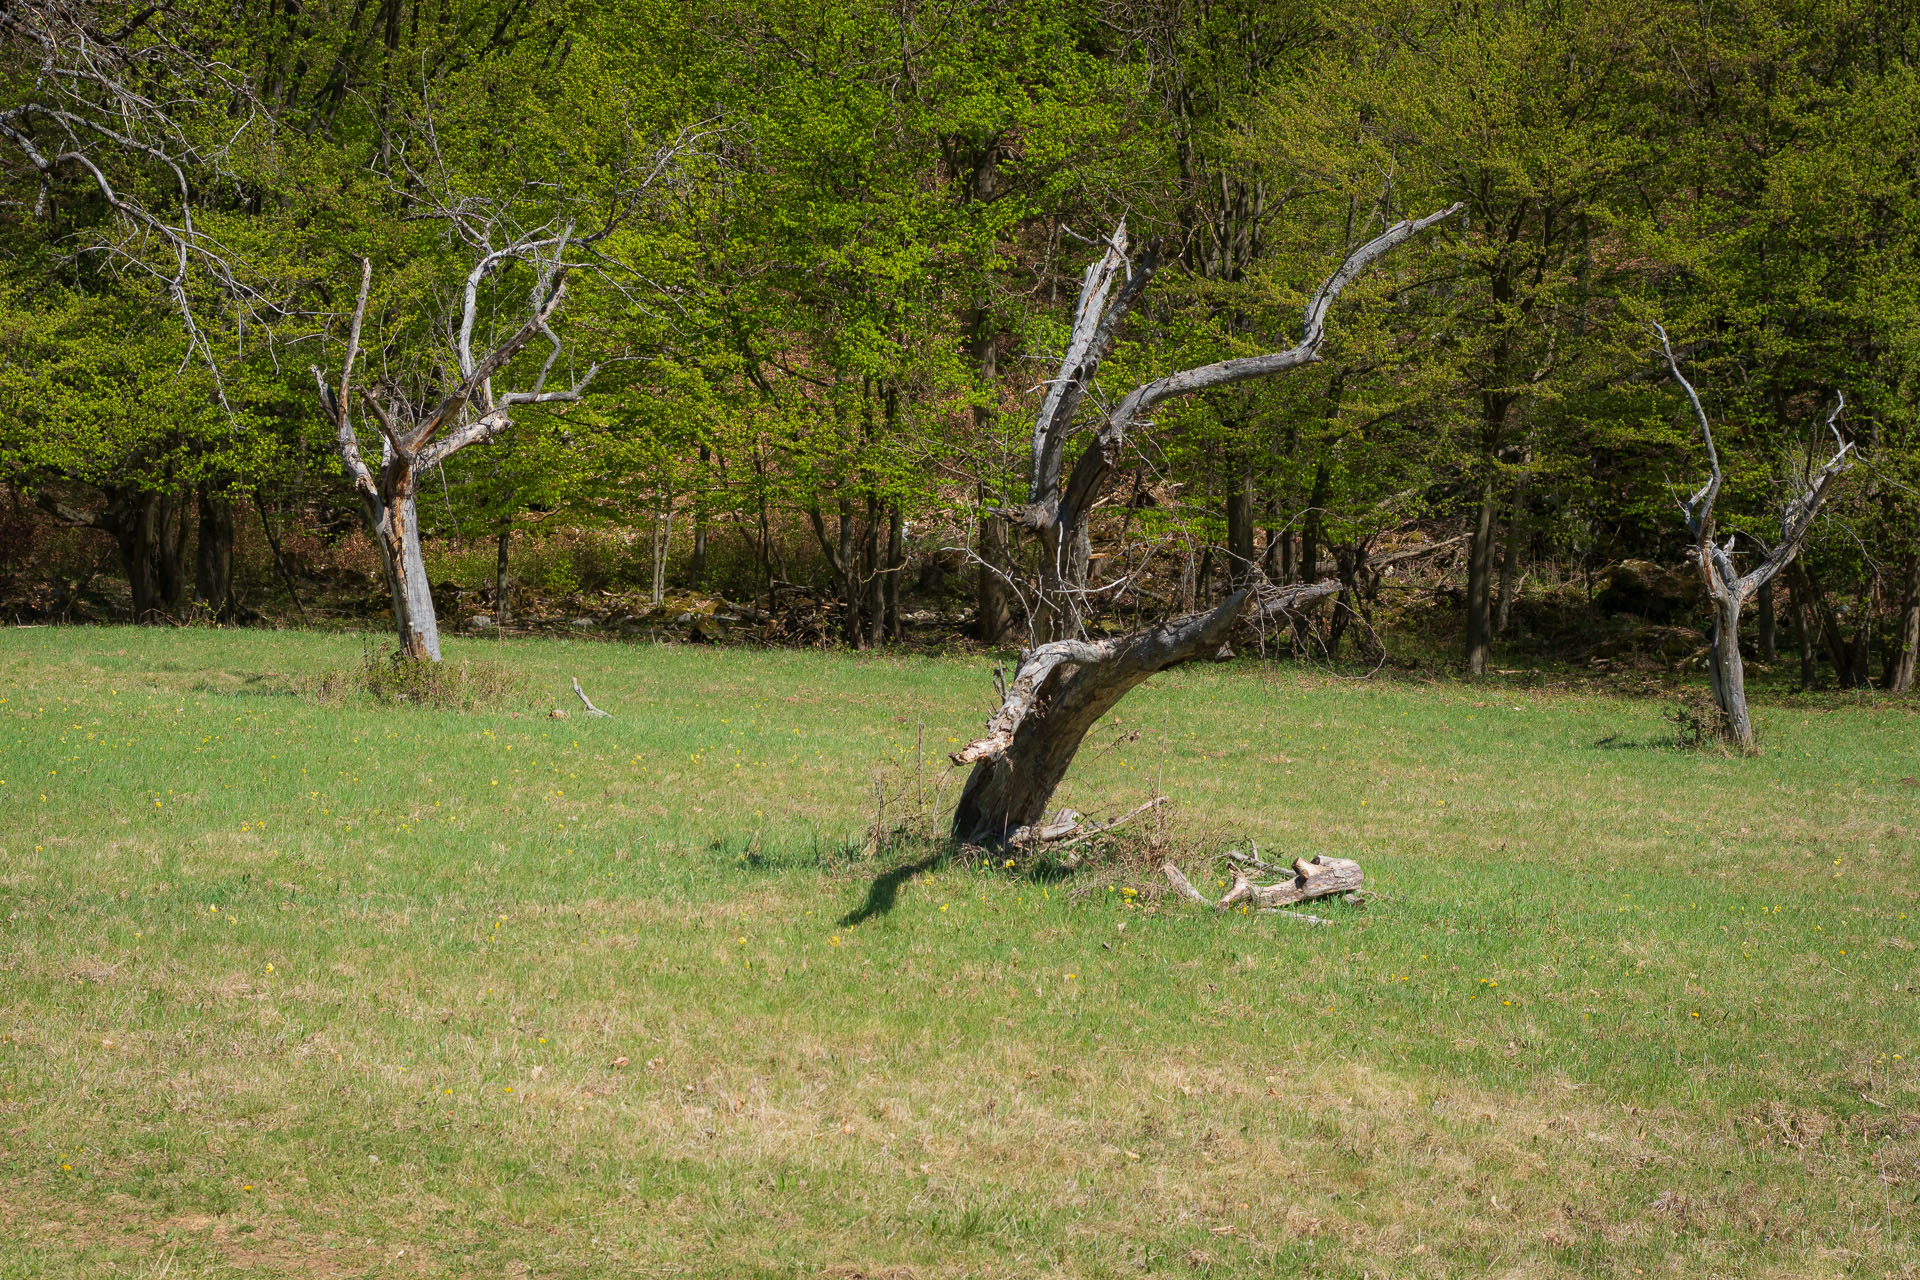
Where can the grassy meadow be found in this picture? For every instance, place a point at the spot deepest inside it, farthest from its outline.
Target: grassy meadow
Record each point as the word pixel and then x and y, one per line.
pixel 290 988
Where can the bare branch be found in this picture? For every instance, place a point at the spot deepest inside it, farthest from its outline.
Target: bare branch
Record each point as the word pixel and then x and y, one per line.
pixel 591 709
pixel 343 397
pixel 1089 474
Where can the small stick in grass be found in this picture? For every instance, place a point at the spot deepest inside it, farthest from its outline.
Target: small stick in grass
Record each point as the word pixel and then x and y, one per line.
pixel 591 709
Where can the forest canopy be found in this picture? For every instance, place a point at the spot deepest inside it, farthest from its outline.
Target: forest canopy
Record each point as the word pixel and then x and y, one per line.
pixel 774 292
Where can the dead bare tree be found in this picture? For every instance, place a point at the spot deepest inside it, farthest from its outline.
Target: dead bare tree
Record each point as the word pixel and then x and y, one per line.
pixel 1064 684
pixel 416 440
pixel 1727 588
pixel 420 428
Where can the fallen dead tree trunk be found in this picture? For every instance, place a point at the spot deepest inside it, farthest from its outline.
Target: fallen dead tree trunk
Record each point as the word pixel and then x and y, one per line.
pixel 1319 877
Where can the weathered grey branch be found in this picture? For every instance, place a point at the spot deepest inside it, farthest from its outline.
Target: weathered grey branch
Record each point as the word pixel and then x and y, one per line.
pixel 1095 326
pixel 591 709
pixel 1089 474
pixel 1291 602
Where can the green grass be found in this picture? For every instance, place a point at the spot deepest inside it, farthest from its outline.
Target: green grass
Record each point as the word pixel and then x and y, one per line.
pixel 289 988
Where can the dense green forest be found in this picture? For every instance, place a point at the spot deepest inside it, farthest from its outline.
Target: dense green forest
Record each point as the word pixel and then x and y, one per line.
pixel 757 301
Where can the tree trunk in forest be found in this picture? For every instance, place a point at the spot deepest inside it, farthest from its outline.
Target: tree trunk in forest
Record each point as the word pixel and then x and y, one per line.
pixel 697 561
pixel 1510 555
pixel 279 557
pixel 1860 650
pixel 1803 627
pixel 149 531
pixel 1310 531
pixel 662 545
pixel 503 577
pixel 1480 580
pixel 896 628
pixel 1310 528
pixel 1827 624
pixel 993 610
pixel 849 565
pixel 876 577
pixel 1767 646
pixel 213 552
pixel 1276 556
pixel 763 531
pixel 1900 676
pixel 1242 555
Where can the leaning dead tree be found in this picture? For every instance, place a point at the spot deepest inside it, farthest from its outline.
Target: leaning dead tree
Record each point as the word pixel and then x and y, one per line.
pixel 414 439
pixel 1064 684
pixel 1728 589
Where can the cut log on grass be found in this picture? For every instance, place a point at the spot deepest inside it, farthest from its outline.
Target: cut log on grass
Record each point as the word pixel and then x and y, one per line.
pixel 1319 877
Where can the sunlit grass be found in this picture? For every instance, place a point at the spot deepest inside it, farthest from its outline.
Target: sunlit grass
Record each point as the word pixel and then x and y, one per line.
pixel 287 987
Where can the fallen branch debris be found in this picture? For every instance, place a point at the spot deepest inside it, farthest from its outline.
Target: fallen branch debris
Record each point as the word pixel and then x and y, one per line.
pixel 591 709
pixel 1318 877
pixel 1069 827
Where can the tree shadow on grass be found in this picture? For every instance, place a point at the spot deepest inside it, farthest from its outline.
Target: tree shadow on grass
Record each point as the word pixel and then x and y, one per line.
pixel 885 888
pixel 1614 742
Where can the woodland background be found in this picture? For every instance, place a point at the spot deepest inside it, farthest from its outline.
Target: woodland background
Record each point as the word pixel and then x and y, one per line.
pixel 830 254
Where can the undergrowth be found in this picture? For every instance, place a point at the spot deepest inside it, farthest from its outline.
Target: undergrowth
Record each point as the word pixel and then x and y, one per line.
pixel 392 678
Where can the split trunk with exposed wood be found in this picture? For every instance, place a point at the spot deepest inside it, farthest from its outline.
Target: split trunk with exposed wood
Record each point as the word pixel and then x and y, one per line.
pixel 1728 590
pixel 1066 683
